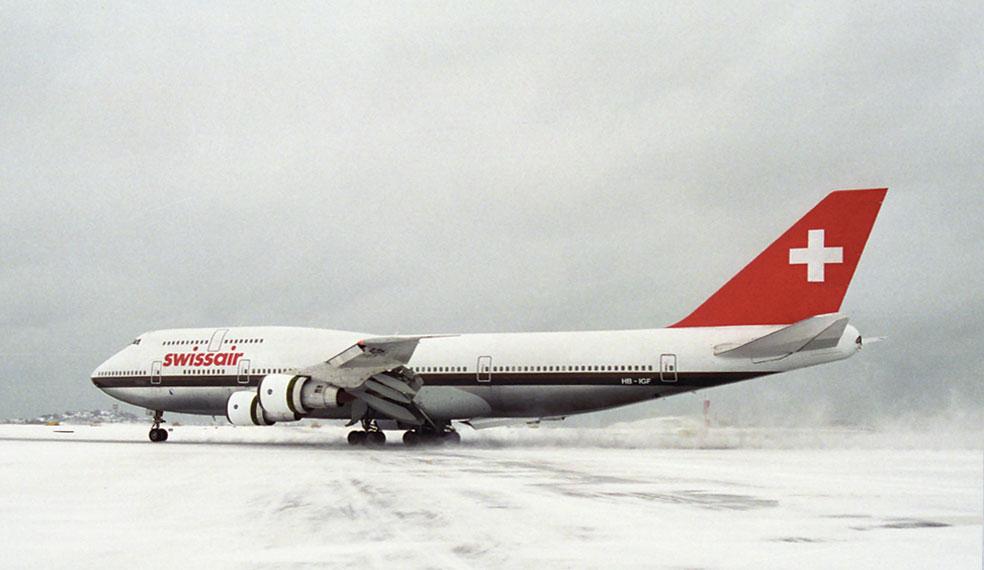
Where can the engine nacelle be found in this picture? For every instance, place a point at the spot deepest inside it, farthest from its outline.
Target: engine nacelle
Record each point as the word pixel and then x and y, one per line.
pixel 280 396
pixel 243 409
pixel 317 395
pixel 286 397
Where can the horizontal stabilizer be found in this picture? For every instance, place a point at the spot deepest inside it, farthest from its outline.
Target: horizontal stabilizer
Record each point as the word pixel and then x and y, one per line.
pixel 815 333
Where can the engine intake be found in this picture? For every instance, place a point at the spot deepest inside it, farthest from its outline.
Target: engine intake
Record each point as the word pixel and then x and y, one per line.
pixel 243 409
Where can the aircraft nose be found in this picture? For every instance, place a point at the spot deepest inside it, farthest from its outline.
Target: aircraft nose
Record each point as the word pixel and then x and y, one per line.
pixel 102 372
pixel 98 373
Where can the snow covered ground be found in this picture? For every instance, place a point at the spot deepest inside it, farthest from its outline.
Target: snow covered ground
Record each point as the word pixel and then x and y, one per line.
pixel 654 496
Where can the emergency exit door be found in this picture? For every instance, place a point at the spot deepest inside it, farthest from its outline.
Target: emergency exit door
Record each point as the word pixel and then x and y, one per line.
pixel 243 376
pixel 667 368
pixel 484 369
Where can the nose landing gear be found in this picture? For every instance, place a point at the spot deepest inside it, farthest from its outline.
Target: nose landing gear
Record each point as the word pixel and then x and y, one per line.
pixel 158 434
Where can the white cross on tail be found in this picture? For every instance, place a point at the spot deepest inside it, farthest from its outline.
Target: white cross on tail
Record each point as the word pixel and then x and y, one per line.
pixel 815 255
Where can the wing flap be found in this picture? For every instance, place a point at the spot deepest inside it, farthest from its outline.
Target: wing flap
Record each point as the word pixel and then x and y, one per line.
pixel 388 408
pixel 385 391
pixel 394 384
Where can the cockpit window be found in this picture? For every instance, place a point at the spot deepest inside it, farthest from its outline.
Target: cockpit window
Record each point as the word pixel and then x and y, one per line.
pixel 135 341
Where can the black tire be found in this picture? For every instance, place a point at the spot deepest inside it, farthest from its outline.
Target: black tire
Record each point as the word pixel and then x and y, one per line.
pixel 163 434
pixel 451 438
pixel 376 438
pixel 154 435
pixel 411 439
pixel 356 437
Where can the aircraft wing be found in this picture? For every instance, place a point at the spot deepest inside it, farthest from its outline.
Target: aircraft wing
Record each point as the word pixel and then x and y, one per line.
pixel 374 371
pixel 354 365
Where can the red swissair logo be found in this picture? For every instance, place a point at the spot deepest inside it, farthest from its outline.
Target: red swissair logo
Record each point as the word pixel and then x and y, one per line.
pixel 202 359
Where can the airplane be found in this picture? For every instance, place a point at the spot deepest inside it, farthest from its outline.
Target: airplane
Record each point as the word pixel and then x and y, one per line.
pixel 779 313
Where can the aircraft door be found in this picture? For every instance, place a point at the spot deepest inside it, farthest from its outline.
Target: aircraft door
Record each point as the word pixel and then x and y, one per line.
pixel 216 343
pixel 155 372
pixel 667 368
pixel 243 376
pixel 484 370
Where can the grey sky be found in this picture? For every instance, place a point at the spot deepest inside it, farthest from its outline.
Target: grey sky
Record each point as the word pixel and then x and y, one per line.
pixel 440 167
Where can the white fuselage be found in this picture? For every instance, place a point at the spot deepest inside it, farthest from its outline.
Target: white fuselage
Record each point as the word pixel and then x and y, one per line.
pixel 465 376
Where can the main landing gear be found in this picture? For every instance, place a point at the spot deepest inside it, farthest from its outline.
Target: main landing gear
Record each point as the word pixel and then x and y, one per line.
pixel 427 435
pixel 370 435
pixel 157 433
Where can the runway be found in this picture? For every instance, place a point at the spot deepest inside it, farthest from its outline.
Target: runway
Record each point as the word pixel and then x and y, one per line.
pixel 224 497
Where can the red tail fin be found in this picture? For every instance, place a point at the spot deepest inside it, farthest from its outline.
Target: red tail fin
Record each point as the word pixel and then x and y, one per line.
pixel 803 273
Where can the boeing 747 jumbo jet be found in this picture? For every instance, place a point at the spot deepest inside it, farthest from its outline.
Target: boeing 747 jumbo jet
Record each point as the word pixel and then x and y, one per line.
pixel 779 313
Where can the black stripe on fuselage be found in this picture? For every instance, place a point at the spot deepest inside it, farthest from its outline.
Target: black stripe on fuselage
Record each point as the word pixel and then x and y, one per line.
pixel 690 379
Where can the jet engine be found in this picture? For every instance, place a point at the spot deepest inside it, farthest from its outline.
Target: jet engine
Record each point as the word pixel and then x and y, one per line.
pixel 243 409
pixel 285 397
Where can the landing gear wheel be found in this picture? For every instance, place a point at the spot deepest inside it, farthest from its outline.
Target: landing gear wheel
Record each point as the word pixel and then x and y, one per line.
pixel 411 439
pixel 357 437
pixel 156 433
pixel 375 438
pixel 432 435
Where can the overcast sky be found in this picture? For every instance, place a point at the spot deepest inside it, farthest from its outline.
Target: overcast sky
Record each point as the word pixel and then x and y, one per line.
pixel 444 167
